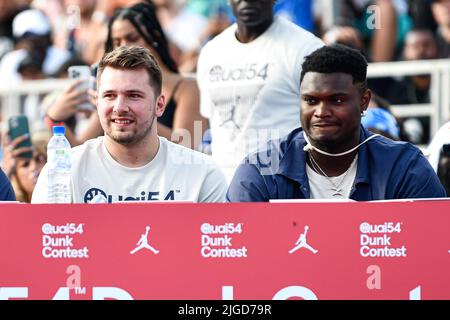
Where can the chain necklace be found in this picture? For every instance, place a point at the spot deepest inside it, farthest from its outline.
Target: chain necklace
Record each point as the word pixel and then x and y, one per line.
pixel 337 188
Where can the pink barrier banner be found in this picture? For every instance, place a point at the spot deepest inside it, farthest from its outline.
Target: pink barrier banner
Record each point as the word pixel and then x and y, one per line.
pixel 277 251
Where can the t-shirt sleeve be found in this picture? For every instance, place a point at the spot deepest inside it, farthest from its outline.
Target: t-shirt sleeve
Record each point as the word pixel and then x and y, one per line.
pixel 6 190
pixel 40 190
pixel 214 187
pixel 247 185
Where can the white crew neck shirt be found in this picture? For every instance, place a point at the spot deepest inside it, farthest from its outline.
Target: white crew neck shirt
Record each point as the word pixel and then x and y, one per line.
pixel 322 188
pixel 176 173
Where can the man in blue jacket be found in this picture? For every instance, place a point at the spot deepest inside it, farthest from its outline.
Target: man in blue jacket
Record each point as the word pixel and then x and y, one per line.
pixel 6 191
pixel 332 156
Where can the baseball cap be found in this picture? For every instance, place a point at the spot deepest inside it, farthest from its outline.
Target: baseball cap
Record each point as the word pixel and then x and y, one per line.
pixel 31 22
pixel 380 119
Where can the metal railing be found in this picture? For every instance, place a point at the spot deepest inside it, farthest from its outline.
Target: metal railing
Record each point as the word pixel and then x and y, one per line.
pixel 11 98
pixel 439 107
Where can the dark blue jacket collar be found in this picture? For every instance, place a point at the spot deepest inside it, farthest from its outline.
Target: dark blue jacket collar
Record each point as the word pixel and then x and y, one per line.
pixel 293 160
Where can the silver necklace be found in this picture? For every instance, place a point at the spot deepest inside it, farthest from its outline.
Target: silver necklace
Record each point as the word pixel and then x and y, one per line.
pixel 336 188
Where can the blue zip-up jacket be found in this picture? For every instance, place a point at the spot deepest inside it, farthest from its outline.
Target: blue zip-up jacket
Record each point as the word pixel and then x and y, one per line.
pixel 6 190
pixel 386 170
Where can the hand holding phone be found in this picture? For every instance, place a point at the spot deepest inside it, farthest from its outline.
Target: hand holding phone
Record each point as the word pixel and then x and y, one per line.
pixel 19 136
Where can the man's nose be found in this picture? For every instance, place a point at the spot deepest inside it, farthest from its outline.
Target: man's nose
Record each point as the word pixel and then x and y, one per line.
pixel 120 104
pixel 322 109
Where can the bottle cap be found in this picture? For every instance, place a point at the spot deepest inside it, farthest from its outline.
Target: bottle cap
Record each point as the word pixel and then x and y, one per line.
pixel 59 130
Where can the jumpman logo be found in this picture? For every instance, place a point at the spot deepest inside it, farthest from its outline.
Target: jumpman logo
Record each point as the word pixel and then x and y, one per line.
pixel 231 115
pixel 301 243
pixel 143 243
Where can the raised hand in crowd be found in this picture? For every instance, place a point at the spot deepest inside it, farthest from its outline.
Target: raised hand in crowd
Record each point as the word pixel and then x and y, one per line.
pixel 11 153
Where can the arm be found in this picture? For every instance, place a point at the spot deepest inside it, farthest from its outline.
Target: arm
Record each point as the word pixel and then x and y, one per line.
pixel 93 130
pixel 384 39
pixel 187 115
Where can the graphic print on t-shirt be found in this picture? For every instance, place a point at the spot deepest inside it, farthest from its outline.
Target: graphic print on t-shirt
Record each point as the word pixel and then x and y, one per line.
pixel 143 196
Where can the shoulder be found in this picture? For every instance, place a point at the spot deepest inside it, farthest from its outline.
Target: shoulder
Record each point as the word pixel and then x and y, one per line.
pixel 187 88
pixel 217 42
pixel 184 156
pixel 397 157
pixel 384 147
pixel 290 30
pixel 277 149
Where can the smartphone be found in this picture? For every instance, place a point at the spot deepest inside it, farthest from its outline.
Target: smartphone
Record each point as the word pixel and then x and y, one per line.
pixel 84 73
pixel 18 126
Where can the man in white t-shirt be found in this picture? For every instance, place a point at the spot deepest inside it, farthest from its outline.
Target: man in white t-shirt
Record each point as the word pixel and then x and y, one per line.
pixel 249 81
pixel 131 162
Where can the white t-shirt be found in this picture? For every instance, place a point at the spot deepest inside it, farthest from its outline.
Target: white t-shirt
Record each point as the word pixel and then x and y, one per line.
pixel 251 91
pixel 176 173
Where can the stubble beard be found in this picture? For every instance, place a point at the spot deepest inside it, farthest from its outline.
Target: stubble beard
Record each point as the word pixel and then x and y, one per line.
pixel 133 138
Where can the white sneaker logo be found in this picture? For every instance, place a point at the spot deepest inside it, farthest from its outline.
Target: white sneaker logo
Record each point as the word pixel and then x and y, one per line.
pixel 301 243
pixel 143 243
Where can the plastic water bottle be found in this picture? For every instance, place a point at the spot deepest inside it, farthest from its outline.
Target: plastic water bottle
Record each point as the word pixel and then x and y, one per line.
pixel 59 165
pixel 205 145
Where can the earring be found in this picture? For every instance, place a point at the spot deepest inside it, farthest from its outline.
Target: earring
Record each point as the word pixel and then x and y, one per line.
pixel 364 113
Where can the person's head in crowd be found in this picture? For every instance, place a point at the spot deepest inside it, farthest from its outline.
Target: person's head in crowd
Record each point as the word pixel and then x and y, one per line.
pixel 138 25
pixel 441 12
pixel 252 15
pixel 420 44
pixel 345 35
pixel 334 95
pixel 26 170
pixel 62 71
pixel 129 83
pixel 32 31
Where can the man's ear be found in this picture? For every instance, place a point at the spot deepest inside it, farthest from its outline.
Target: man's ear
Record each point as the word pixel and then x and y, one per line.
pixel 365 100
pixel 160 105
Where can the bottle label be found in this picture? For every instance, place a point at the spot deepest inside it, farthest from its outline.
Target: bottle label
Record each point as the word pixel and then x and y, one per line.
pixel 59 159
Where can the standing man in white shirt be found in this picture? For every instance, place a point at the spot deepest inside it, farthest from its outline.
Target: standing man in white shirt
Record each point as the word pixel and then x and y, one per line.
pixel 131 162
pixel 249 81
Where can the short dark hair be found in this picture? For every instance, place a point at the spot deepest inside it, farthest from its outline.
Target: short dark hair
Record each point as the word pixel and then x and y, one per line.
pixel 337 58
pixel 131 58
